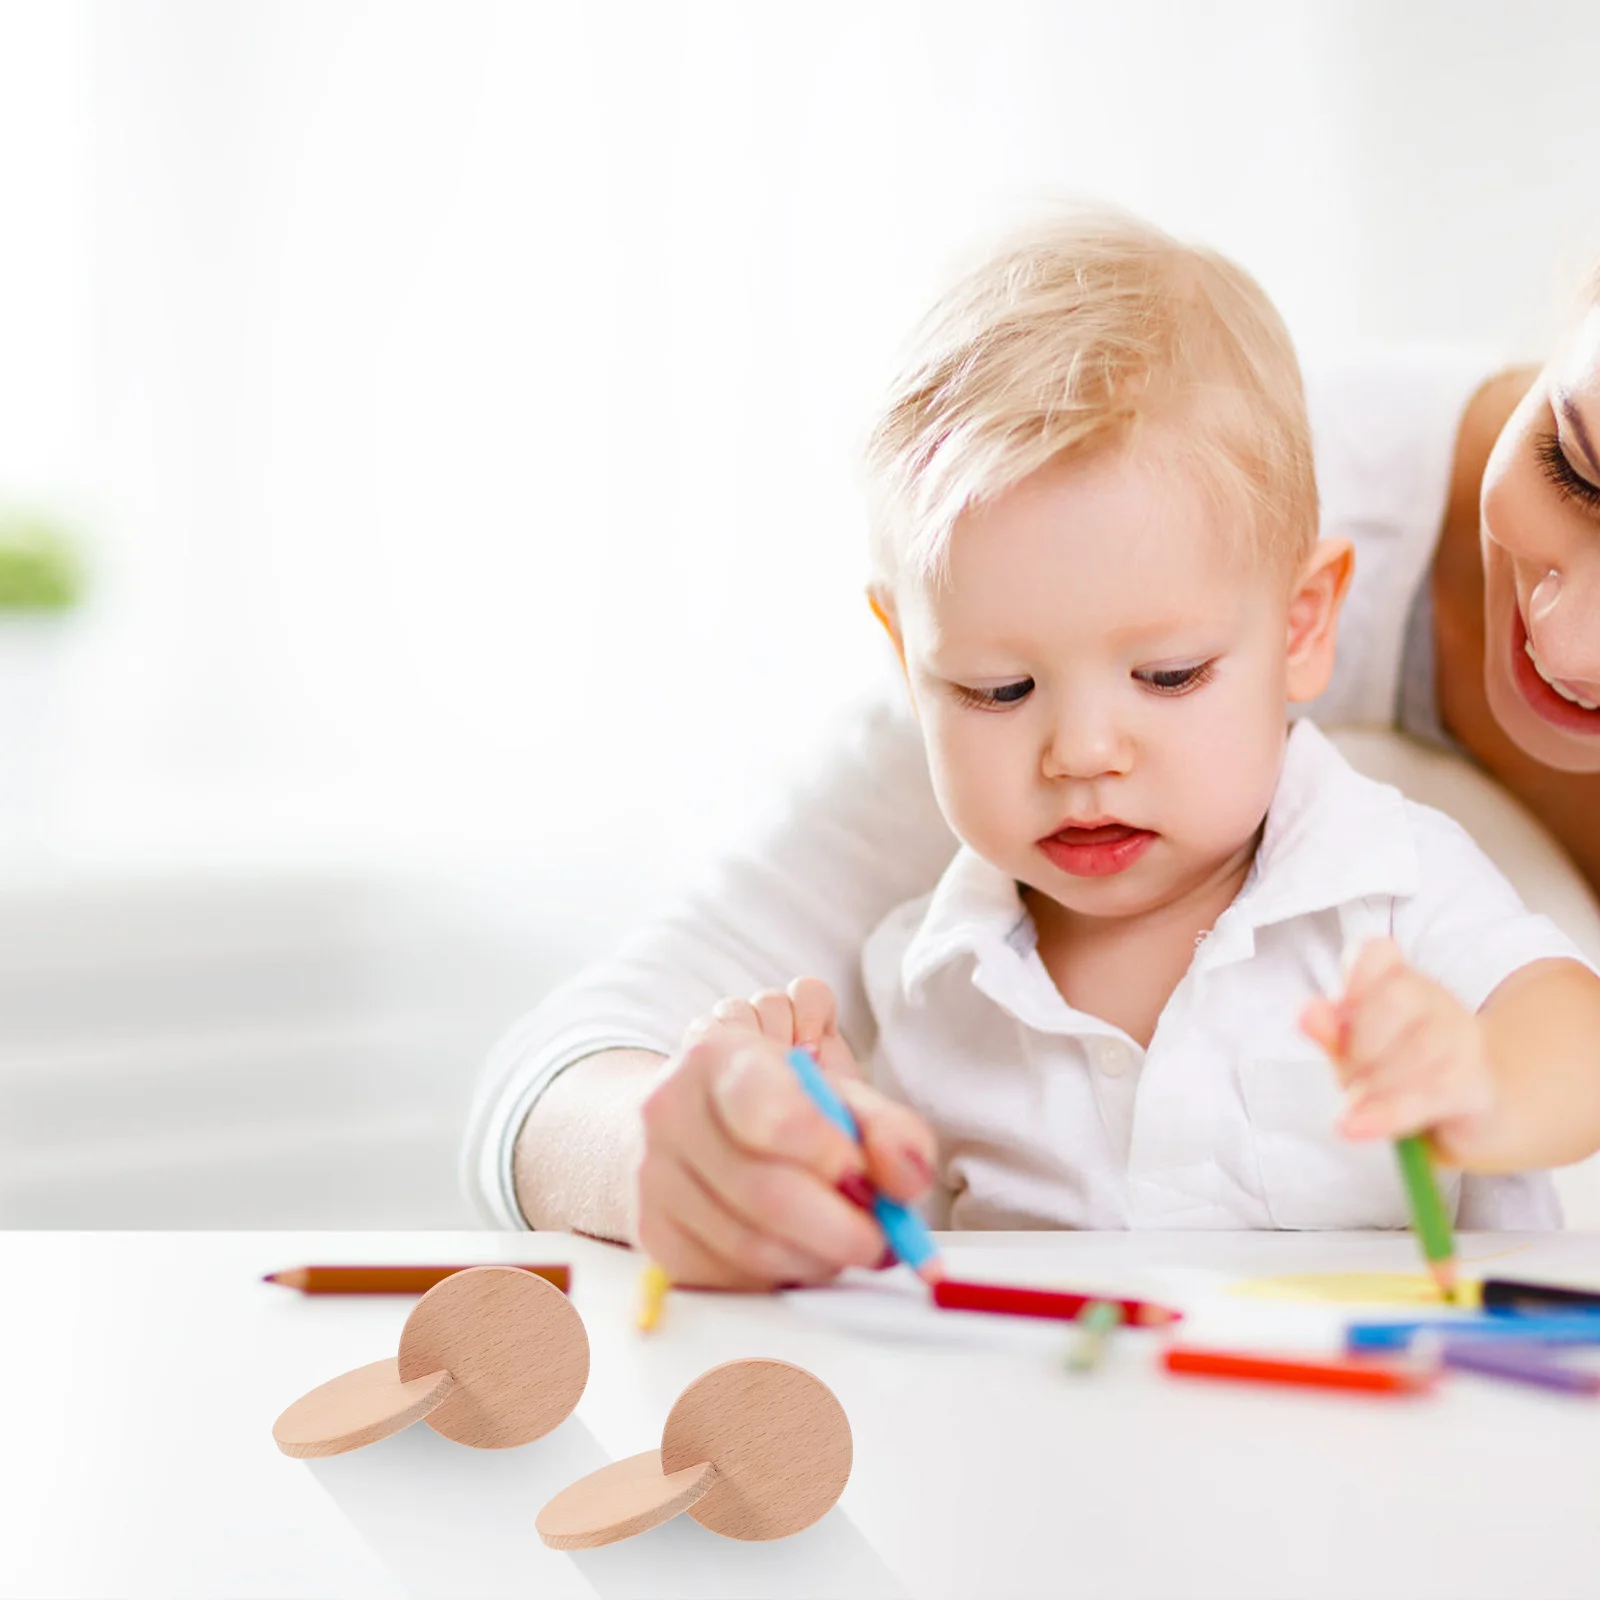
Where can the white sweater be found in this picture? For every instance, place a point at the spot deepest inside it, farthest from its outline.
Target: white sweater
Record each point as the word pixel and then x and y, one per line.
pixel 864 834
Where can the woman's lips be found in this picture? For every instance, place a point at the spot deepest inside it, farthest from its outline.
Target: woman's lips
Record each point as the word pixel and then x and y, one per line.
pixel 1540 697
pixel 1096 852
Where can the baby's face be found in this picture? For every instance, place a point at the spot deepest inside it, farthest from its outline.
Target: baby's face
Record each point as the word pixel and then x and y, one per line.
pixel 1101 688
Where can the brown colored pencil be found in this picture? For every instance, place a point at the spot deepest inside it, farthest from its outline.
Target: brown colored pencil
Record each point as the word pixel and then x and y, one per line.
pixel 395 1280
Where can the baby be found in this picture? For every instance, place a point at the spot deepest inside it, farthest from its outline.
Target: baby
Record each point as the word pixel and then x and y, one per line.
pixel 1096 553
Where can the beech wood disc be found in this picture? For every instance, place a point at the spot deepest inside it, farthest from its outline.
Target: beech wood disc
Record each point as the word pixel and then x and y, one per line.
pixel 515 1346
pixel 357 1408
pixel 619 1501
pixel 780 1442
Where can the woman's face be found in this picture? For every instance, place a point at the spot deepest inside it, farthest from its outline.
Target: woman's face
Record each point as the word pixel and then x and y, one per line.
pixel 1541 552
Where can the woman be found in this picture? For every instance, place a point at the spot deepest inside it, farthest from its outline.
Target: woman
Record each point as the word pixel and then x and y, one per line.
pixel 1473 624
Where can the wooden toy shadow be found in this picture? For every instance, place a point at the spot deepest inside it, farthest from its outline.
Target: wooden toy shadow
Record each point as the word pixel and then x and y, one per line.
pixel 752 1449
pixel 491 1357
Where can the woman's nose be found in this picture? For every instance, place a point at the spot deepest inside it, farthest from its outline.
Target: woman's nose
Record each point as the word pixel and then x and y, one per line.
pixel 1564 626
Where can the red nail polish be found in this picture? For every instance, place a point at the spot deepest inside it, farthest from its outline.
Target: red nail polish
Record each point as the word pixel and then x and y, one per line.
pixel 885 1261
pixel 855 1188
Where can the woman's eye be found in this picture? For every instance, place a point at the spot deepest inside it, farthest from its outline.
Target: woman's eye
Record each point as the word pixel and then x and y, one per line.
pixel 1569 482
pixel 1177 680
pixel 1008 694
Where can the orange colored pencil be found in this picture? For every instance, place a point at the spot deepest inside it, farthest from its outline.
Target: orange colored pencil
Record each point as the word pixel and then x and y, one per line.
pixel 1315 1374
pixel 395 1280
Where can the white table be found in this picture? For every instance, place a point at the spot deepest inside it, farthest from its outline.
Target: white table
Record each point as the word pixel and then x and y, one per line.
pixel 143 1373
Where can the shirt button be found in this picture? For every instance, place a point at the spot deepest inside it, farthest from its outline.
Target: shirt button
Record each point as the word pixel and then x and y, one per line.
pixel 1110 1056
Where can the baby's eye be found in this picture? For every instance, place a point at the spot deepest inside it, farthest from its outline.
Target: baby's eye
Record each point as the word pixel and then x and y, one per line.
pixel 1008 694
pixel 1177 680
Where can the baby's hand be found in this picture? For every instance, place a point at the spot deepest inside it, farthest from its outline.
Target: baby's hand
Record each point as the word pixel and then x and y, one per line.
pixel 1412 1057
pixel 744 1184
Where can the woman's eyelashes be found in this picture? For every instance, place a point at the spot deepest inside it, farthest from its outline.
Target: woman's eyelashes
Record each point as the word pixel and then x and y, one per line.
pixel 1169 681
pixel 1569 483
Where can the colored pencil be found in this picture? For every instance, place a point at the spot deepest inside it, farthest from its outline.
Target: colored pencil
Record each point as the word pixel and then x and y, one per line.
pixel 1516 1363
pixel 906 1232
pixel 396 1280
pixel 1096 1323
pixel 1577 1328
pixel 1314 1374
pixel 1428 1211
pixel 653 1286
pixel 1508 1297
pixel 958 1294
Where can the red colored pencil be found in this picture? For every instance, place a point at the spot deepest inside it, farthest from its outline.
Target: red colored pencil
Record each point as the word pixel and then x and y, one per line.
pixel 956 1294
pixel 1316 1374
pixel 394 1280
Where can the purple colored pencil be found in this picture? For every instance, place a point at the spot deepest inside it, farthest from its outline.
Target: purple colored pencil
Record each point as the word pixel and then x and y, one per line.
pixel 1517 1363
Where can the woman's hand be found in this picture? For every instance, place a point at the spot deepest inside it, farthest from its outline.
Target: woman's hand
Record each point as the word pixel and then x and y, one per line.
pixel 743 1183
pixel 1412 1057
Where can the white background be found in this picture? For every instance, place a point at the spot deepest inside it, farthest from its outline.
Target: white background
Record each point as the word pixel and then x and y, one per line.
pixel 460 403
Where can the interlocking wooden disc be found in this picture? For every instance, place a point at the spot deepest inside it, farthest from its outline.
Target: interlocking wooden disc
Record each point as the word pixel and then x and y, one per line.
pixel 619 1501
pixel 778 1438
pixel 515 1346
pixel 357 1408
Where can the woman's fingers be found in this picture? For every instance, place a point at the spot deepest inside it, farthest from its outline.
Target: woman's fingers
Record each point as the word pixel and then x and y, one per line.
pixel 776 1012
pixel 737 1249
pixel 788 1202
pixel 759 1104
pixel 745 1182
pixel 736 1013
pixel 900 1146
pixel 765 1162
pixel 816 1016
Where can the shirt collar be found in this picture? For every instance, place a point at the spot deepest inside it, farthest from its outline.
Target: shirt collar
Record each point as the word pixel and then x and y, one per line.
pixel 1331 837
pixel 976 909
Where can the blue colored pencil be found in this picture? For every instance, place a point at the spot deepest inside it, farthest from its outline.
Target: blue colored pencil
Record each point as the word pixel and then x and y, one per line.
pixel 1561 1329
pixel 906 1232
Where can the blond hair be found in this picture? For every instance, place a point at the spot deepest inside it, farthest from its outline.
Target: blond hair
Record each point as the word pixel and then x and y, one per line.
pixel 1068 340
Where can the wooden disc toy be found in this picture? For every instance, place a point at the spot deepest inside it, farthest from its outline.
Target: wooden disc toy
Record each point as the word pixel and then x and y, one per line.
pixel 621 1500
pixel 357 1408
pixel 490 1357
pixel 751 1450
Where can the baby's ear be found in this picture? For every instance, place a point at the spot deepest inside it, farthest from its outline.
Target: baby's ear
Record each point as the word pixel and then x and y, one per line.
pixel 883 608
pixel 1314 604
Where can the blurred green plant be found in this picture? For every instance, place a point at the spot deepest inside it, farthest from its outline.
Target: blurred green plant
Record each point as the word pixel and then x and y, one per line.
pixel 39 565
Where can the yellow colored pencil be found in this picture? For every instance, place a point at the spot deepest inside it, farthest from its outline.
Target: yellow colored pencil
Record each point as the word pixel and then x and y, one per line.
pixel 653 1286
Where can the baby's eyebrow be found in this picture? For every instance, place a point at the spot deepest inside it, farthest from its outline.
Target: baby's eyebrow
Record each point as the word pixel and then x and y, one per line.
pixel 1567 408
pixel 1151 631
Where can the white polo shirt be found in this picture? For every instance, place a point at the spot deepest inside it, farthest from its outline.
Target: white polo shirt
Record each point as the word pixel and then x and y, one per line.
pixel 1048 1117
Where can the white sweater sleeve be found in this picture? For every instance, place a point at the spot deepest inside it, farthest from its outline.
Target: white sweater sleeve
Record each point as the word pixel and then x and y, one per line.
pixel 863 835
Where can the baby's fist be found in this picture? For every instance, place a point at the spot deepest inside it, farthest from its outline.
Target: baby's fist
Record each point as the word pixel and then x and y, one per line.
pixel 1412 1057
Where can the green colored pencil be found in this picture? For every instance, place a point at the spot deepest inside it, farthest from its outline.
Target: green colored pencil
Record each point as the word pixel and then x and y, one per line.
pixel 1428 1212
pixel 1096 1323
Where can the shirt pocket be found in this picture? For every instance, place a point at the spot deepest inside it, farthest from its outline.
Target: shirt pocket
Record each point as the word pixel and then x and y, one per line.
pixel 1311 1177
